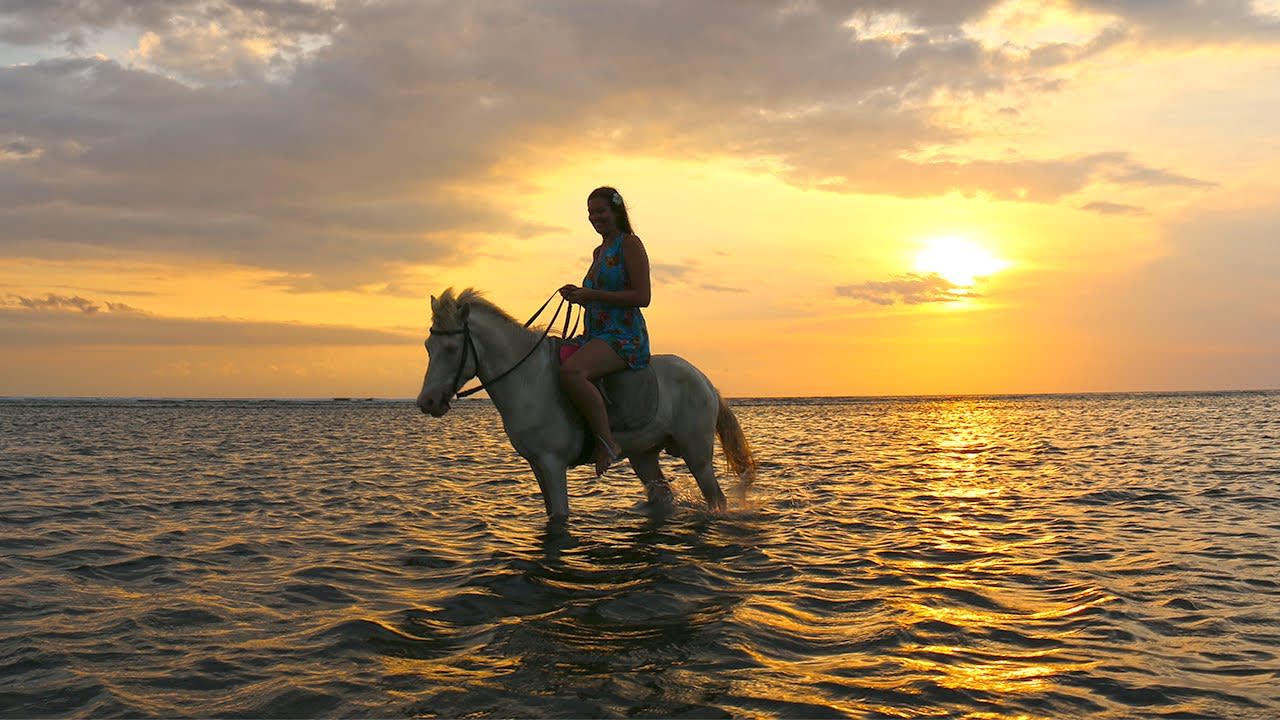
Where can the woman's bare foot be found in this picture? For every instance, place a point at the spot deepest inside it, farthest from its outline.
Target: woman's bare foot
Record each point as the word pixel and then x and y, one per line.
pixel 606 455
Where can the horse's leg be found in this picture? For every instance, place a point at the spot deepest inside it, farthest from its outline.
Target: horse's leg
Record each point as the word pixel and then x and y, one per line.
pixel 554 486
pixel 704 471
pixel 650 473
pixel 700 459
pixel 693 428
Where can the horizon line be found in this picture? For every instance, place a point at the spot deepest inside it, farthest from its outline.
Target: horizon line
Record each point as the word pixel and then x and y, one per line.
pixel 486 399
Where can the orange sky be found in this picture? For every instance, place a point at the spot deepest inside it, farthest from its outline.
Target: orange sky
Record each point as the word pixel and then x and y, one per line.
pixel 907 198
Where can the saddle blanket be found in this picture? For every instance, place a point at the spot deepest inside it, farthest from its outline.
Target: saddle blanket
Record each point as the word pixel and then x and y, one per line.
pixel 631 399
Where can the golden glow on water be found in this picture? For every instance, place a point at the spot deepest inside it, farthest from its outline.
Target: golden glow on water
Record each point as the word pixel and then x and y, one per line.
pixel 970 551
pixel 964 557
pixel 952 670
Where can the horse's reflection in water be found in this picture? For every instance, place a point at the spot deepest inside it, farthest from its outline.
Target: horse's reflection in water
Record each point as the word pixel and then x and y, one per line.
pixel 606 614
pixel 471 337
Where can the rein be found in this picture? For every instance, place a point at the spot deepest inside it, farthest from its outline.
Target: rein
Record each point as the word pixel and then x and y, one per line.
pixel 469 345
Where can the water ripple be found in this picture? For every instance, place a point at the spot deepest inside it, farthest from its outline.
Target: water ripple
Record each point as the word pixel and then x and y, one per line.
pixel 1038 557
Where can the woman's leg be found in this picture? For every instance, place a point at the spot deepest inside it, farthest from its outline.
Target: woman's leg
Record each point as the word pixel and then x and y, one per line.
pixel 591 362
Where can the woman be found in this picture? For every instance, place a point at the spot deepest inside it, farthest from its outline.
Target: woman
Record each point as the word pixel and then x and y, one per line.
pixel 612 293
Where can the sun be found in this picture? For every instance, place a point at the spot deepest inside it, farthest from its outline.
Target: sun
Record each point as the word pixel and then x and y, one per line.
pixel 958 260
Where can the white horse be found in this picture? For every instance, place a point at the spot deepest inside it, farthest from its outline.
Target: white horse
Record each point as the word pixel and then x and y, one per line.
pixel 471 337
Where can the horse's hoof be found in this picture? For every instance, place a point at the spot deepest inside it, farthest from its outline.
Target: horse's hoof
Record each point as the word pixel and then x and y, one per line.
pixel 661 499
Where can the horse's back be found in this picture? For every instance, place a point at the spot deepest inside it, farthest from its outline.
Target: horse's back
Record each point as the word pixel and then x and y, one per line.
pixel 676 368
pixel 683 384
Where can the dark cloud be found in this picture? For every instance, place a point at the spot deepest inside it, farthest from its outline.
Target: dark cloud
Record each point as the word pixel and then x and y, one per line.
pixel 909 289
pixel 72 303
pixel 58 302
pixel 138 162
pixel 19 150
pixel 29 22
pixel 61 320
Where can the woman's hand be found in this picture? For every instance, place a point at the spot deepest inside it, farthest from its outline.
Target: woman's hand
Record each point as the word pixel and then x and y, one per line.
pixel 575 294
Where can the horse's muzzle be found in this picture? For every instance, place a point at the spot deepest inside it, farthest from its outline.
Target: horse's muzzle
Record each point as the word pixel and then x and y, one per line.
pixel 433 405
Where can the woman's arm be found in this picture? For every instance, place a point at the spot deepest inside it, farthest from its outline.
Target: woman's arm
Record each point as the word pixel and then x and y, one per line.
pixel 637 292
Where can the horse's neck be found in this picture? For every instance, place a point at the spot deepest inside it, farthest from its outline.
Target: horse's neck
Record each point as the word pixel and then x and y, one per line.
pixel 500 346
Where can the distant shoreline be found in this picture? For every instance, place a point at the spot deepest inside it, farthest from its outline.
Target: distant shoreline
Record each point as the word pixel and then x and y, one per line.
pixel 753 399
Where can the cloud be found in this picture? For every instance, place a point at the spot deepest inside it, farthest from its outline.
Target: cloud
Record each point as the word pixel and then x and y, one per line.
pixel 72 22
pixel 1138 175
pixel 343 144
pixel 166 171
pixel 672 272
pixel 19 149
pixel 909 289
pixel 685 273
pixel 61 320
pixel 1036 180
pixel 722 288
pixel 1193 21
pixel 59 302
pixel 1110 208
pixel 52 301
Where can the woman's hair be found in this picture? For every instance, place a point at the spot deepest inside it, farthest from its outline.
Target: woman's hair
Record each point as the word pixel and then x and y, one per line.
pixel 616 204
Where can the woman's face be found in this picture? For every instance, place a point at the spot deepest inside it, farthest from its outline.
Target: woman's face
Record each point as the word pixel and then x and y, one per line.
pixel 601 216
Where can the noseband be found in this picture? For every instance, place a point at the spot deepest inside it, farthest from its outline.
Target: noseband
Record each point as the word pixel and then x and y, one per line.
pixel 469 345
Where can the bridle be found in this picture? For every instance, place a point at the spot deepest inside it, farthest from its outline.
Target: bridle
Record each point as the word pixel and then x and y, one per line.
pixel 469 345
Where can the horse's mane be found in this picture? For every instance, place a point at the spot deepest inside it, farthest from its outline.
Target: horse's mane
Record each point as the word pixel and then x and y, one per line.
pixel 448 307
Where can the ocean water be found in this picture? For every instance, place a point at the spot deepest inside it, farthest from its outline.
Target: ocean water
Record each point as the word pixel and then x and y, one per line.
pixel 1102 556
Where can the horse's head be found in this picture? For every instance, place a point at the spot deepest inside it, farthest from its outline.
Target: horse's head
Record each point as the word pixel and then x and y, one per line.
pixel 451 357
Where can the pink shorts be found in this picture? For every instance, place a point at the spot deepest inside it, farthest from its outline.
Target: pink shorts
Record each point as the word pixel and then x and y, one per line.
pixel 567 351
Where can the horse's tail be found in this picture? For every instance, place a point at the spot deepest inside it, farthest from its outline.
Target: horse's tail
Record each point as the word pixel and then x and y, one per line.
pixel 736 450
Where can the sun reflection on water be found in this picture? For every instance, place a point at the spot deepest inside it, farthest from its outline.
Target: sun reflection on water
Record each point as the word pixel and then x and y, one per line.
pixel 979 623
pixel 955 557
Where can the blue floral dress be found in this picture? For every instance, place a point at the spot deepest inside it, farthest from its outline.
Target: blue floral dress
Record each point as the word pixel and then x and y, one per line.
pixel 623 328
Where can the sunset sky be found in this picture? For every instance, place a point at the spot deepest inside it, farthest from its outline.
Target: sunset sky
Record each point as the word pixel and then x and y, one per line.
pixel 256 198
